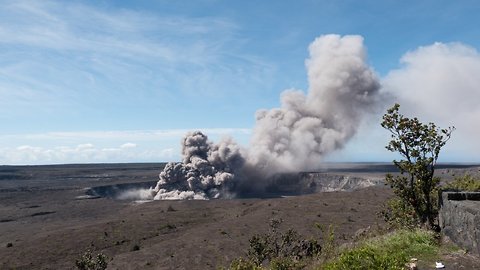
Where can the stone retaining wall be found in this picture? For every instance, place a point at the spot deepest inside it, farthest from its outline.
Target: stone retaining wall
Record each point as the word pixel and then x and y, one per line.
pixel 459 218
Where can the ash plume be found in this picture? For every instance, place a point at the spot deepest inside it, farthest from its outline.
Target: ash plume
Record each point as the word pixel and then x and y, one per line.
pixel 206 171
pixel 294 137
pixel 342 89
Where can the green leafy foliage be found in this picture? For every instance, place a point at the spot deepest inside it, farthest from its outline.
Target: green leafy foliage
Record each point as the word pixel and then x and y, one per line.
pixel 383 251
pixel 398 214
pixel 329 247
pixel 243 264
pixel 419 145
pixel 90 262
pixel 391 251
pixel 464 183
pixel 278 249
pixel 285 263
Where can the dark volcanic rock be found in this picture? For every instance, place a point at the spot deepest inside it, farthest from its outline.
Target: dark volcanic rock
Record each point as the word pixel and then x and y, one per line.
pixel 460 218
pixel 312 182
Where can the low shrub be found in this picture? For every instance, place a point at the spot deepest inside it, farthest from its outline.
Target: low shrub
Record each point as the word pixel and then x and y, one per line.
pixel 466 182
pixel 135 247
pixel 277 249
pixel 243 264
pixel 391 251
pixel 89 262
pixel 398 214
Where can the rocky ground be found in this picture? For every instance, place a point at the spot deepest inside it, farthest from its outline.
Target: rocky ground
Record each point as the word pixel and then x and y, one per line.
pixel 45 223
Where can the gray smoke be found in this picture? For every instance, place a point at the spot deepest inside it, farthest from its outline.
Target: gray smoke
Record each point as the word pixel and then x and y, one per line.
pixel 342 89
pixel 206 171
pixel 295 137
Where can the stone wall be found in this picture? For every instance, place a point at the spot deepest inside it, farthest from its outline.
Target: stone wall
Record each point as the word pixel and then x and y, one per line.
pixel 459 218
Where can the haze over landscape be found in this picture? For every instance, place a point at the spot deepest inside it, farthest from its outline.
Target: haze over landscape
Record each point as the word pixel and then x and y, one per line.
pixel 120 81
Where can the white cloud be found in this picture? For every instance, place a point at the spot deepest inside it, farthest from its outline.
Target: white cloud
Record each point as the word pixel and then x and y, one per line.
pixel 85 146
pixel 80 154
pixel 128 145
pixel 440 83
pixel 26 148
pixel 101 146
pixel 169 152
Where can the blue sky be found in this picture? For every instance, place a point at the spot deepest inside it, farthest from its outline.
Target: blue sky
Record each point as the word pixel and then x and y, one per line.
pixel 122 81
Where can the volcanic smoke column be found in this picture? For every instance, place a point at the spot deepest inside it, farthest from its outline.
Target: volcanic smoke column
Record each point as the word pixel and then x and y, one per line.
pixel 342 89
pixel 295 137
pixel 206 171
